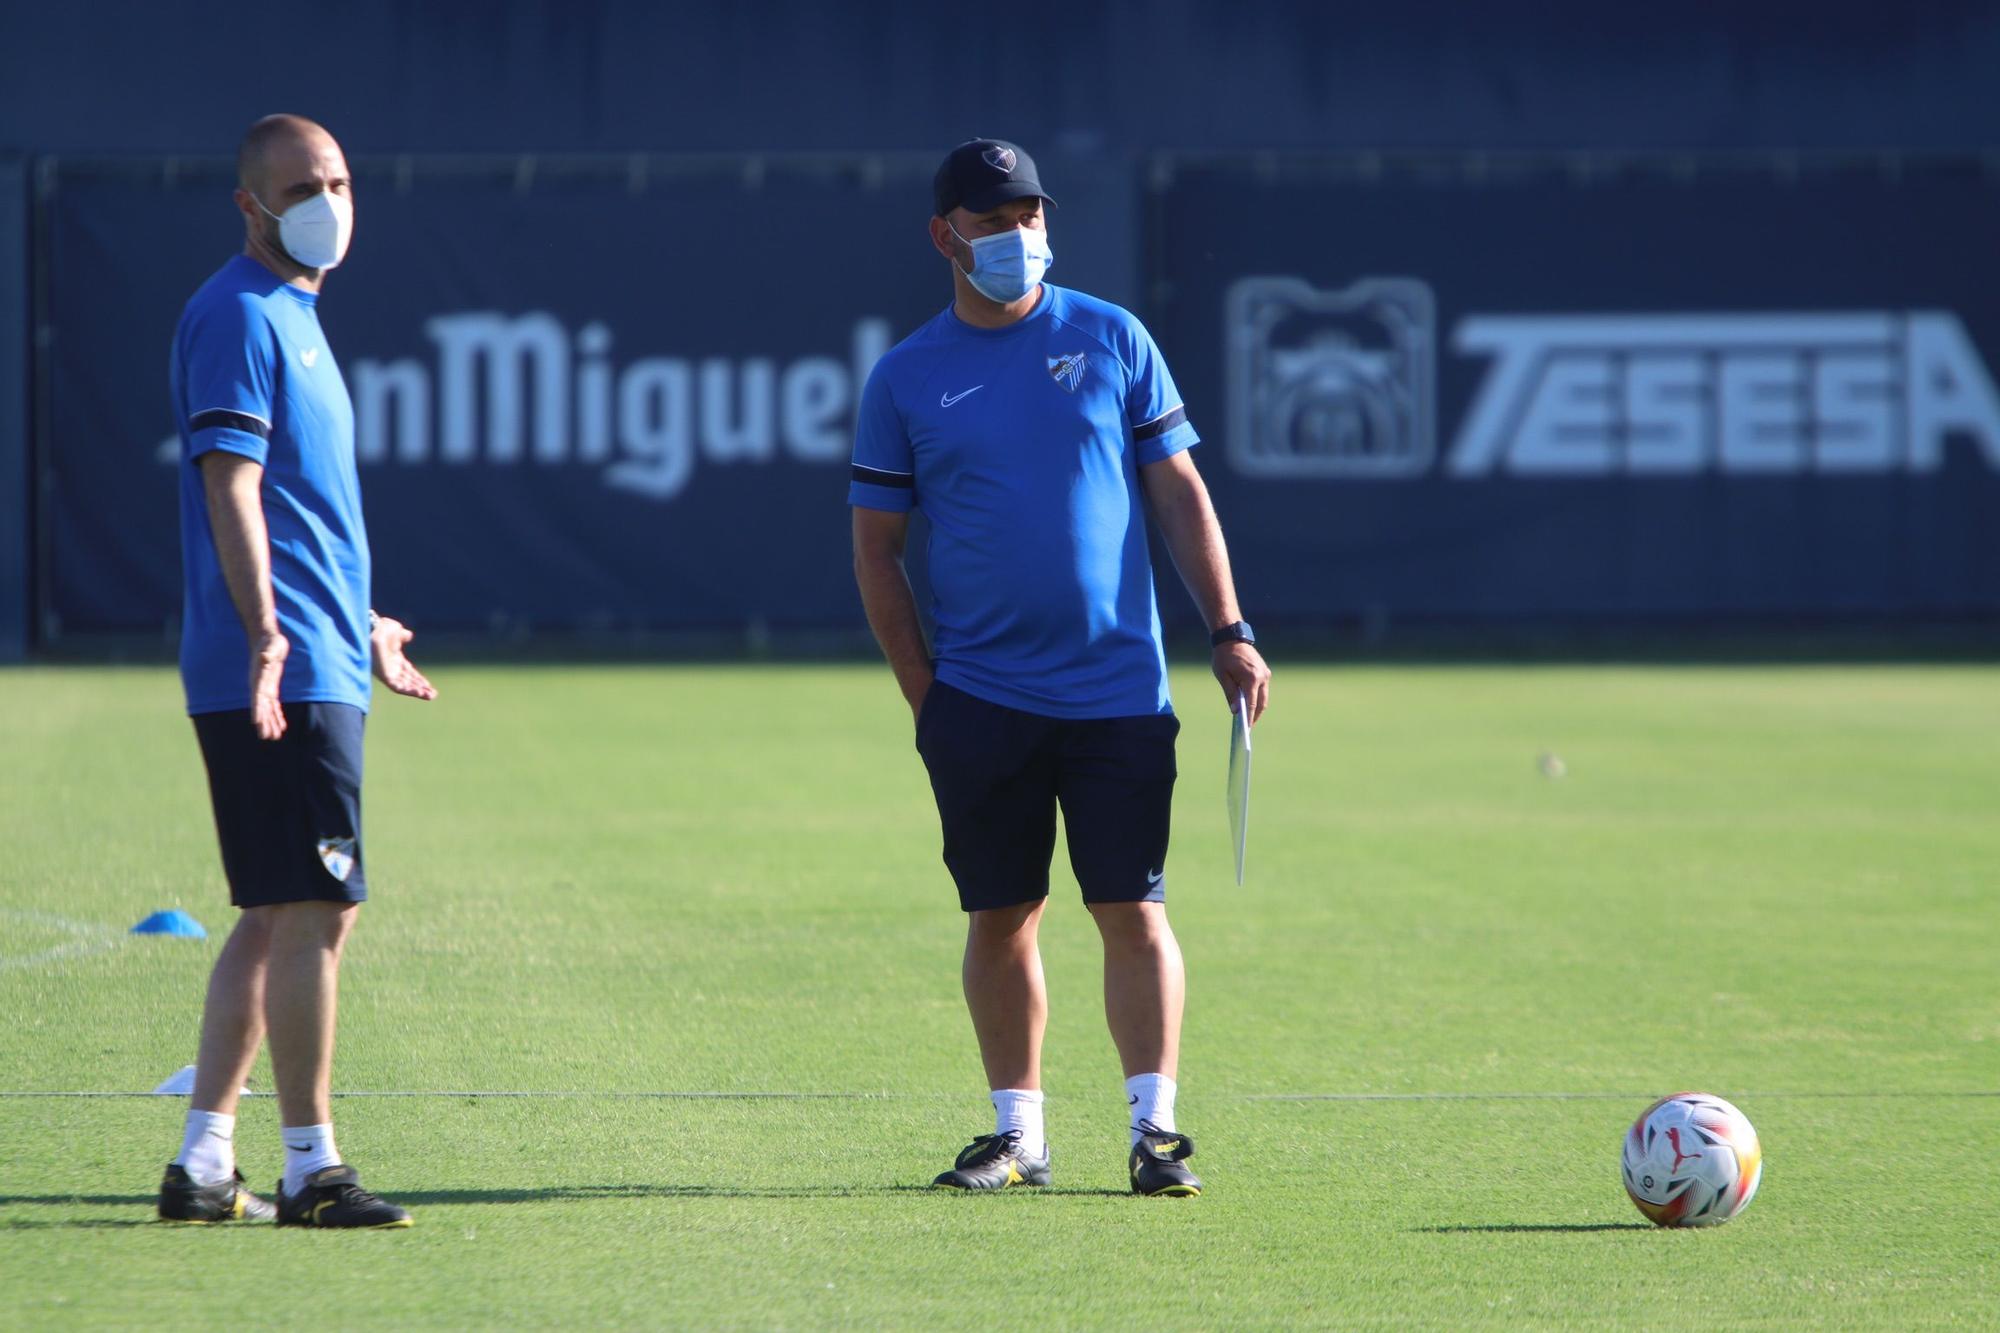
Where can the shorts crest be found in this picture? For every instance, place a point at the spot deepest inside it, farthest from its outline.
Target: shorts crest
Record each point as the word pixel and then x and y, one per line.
pixel 337 855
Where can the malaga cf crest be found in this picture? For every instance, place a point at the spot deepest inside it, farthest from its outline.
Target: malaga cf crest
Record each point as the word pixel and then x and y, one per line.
pixel 337 855
pixel 1068 370
pixel 1000 159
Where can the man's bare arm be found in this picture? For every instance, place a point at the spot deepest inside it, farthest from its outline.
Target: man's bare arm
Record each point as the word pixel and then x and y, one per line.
pixel 233 485
pixel 1180 506
pixel 879 537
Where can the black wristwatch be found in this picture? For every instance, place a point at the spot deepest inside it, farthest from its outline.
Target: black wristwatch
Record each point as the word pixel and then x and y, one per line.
pixel 1237 631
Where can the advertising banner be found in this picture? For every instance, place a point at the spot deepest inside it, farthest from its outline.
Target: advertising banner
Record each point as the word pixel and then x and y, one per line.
pixel 600 396
pixel 613 396
pixel 1467 391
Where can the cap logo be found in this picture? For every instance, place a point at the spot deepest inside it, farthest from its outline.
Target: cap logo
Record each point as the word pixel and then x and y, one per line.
pixel 1000 159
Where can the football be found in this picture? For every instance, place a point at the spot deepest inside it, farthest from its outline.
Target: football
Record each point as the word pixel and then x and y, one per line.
pixel 1692 1160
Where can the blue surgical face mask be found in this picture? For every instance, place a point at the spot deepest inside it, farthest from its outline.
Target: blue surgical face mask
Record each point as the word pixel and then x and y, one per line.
pixel 1007 265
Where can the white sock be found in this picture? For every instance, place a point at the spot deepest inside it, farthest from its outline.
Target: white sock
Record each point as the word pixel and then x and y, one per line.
pixel 208 1147
pixel 1151 1098
pixel 1017 1108
pixel 308 1148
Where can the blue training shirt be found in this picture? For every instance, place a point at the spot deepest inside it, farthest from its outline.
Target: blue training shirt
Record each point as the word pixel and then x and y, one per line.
pixel 1022 447
pixel 251 373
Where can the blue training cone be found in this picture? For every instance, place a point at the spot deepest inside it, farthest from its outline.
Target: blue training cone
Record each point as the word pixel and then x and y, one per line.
pixel 173 922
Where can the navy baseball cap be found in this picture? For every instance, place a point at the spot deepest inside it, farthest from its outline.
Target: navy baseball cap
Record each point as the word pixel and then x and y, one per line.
pixel 981 174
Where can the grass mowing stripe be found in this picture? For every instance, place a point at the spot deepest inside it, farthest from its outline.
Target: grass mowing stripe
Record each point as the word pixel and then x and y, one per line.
pixel 1578 1096
pixel 86 938
pixel 588 1094
pixel 558 1094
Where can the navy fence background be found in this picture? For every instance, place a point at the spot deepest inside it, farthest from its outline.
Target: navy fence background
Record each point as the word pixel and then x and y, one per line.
pixel 1562 314
pixel 1109 75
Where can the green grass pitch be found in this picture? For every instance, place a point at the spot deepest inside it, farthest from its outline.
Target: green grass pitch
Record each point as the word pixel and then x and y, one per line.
pixel 1414 1037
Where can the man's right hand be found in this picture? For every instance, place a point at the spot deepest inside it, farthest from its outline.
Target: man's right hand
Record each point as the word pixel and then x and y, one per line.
pixel 915 697
pixel 267 668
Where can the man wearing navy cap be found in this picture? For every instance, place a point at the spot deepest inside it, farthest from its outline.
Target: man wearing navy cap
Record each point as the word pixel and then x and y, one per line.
pixel 1038 428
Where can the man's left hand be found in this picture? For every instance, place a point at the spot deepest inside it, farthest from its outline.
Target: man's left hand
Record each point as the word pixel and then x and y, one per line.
pixel 1240 669
pixel 391 667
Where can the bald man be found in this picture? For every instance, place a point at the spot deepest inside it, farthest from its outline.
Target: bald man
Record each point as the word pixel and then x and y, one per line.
pixel 277 641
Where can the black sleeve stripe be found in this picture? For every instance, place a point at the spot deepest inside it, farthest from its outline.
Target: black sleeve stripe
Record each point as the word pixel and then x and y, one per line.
pixel 218 418
pixel 1160 425
pixel 875 476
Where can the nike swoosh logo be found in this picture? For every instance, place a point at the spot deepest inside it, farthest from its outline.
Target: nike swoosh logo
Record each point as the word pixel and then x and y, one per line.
pixel 300 1147
pixel 946 400
pixel 1155 876
pixel 1133 1100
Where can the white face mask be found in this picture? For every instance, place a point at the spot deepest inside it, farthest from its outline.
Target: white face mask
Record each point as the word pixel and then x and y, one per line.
pixel 1007 265
pixel 315 231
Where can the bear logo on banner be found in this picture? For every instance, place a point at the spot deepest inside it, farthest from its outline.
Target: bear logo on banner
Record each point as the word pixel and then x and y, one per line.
pixel 1332 384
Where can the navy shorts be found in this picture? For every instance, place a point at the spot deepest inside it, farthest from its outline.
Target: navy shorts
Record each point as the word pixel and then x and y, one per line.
pixel 999 774
pixel 288 812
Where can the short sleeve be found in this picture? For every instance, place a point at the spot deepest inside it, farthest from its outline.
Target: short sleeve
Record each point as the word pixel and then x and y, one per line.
pixel 1153 405
pixel 884 469
pixel 226 373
